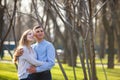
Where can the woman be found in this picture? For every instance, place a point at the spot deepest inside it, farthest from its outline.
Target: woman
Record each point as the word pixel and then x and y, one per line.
pixel 29 56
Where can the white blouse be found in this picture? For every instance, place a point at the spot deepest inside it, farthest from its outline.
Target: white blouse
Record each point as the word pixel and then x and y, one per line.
pixel 28 58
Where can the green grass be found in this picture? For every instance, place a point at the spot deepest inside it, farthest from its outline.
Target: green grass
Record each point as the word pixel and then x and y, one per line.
pixel 8 72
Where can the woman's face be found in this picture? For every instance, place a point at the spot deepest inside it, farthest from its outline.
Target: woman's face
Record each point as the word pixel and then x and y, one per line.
pixel 30 36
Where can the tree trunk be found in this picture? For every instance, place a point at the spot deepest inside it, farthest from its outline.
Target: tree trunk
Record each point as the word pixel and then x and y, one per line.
pixel 1 19
pixel 117 27
pixel 102 43
pixel 1 28
pixel 111 36
pixel 118 54
pixel 92 50
pixel 111 49
pixel 73 51
pixel 109 29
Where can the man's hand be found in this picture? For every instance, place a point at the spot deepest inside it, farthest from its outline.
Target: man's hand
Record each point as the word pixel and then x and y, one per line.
pixel 18 52
pixel 32 69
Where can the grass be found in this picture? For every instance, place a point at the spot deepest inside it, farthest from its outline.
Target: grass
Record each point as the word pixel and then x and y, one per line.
pixel 8 72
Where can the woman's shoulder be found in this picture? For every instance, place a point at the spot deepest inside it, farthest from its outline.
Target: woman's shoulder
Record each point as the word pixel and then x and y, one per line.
pixel 25 52
pixel 24 47
pixel 21 47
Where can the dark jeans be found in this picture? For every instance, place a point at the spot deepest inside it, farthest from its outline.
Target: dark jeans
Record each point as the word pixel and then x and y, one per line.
pixel 28 78
pixel 46 75
pixel 23 79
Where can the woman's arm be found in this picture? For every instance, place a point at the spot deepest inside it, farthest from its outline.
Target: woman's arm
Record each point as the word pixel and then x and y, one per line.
pixel 32 60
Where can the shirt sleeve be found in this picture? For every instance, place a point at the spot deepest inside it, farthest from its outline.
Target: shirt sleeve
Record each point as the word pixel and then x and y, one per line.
pixel 30 59
pixel 50 59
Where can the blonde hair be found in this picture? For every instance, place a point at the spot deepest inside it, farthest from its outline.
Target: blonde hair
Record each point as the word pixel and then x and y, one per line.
pixel 23 41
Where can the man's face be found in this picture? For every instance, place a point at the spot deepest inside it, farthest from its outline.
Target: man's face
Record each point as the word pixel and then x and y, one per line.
pixel 39 33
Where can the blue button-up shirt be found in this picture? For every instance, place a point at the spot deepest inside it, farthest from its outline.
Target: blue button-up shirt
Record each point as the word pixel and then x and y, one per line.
pixel 45 52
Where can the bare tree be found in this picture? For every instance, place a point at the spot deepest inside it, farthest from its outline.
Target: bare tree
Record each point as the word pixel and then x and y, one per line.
pixel 10 25
pixel 117 28
pixel 110 32
pixel 2 8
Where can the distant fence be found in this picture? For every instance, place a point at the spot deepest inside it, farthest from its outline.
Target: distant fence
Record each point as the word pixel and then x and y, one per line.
pixel 7 46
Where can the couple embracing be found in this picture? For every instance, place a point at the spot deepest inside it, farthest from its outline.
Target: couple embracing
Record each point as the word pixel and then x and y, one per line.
pixel 34 60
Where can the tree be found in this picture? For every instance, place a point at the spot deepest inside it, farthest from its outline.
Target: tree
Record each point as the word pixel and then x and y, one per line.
pixel 2 8
pixel 110 32
pixel 117 28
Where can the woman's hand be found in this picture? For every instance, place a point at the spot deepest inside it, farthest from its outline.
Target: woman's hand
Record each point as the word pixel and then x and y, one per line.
pixel 18 52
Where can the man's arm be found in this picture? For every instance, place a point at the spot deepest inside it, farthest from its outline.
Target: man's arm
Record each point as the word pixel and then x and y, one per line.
pixel 48 64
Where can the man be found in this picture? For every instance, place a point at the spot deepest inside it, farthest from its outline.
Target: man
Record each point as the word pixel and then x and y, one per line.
pixel 45 52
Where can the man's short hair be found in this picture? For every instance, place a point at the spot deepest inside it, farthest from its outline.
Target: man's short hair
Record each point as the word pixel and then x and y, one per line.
pixel 36 27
